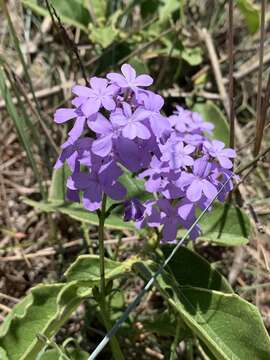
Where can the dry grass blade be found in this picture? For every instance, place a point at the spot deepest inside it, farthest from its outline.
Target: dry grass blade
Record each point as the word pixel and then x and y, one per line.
pixel 259 120
pixel 18 50
pixel 20 124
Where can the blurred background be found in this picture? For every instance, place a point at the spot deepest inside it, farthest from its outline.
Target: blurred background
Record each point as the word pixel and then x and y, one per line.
pixel 45 48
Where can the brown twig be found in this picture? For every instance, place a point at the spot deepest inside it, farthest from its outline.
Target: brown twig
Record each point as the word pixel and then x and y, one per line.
pixel 259 128
pixel 65 37
pixel 231 80
pixel 253 161
pixel 207 38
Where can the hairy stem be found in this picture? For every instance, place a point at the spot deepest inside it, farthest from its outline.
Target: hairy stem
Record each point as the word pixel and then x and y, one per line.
pixel 117 353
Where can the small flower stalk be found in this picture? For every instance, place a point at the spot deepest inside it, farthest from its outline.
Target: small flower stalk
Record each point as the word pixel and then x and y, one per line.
pixel 182 166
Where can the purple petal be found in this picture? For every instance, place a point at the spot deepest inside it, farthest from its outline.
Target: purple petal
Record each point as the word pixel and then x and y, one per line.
pixel 128 72
pixel 142 131
pixel 194 191
pixel 130 131
pixel 98 83
pixel 143 80
pixel 78 128
pixel 63 115
pixel 218 145
pixel 118 79
pixel 169 231
pixel 102 146
pixel 108 103
pixel 78 101
pixel 209 189
pixel 101 125
pixel 92 198
pixel 81 180
pixel 116 191
pixel 140 114
pixel 185 210
pixel 82 91
pixel 230 153
pixel 189 149
pixel 127 110
pixel 91 106
pixel 225 162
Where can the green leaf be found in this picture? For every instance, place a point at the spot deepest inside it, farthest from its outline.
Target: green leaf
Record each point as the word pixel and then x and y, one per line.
pixel 211 113
pixel 134 186
pixel 199 274
pixel 77 212
pixel 193 56
pixel 164 324
pixel 86 268
pixel 103 35
pixel 226 225
pixel 42 311
pixel 167 8
pixel 57 191
pixel 225 323
pixel 71 12
pixel 251 14
pixel 74 354
pixel 99 8
pixel 3 354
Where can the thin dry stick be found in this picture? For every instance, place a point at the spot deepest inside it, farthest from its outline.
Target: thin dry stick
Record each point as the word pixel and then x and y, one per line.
pixel 259 129
pixel 206 37
pixel 265 106
pixel 66 39
pixel 253 161
pixel 231 80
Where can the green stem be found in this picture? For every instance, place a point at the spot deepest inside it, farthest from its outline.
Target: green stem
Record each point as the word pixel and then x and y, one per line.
pixel 117 353
pixel 173 355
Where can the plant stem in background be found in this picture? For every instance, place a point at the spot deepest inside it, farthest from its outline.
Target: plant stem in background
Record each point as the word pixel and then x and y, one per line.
pixel 259 128
pixel 101 246
pixel 231 80
pixel 105 313
pixel 173 355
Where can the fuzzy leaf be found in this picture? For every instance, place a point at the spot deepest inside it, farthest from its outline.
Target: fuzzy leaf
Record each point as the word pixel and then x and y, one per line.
pixel 71 12
pixel 42 311
pixel 77 212
pixel 225 323
pixel 211 113
pixel 86 268
pixel 251 14
pixel 226 225
pixel 200 274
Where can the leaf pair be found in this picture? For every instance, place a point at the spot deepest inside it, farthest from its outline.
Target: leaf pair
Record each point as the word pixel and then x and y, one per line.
pixel 201 297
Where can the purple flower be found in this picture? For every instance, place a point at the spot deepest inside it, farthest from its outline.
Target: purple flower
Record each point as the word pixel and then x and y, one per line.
pixel 129 78
pixel 133 210
pixel 107 131
pixel 63 115
pixel 100 94
pixel 216 150
pixel 197 183
pixel 177 154
pixel 151 216
pixel 131 123
pixel 78 151
pixel 95 183
pixel 153 103
pixel 169 219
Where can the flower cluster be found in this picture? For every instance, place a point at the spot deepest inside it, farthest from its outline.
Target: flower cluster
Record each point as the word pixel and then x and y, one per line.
pixel 182 167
